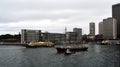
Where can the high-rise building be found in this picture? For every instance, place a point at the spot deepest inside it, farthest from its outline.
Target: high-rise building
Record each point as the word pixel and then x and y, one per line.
pixel 71 37
pixel 101 28
pixel 92 28
pixel 78 32
pixel 116 15
pixel 108 28
pixel 30 35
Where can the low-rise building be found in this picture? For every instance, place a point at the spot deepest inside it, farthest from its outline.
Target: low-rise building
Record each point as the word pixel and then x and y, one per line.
pixel 56 38
pixel 30 35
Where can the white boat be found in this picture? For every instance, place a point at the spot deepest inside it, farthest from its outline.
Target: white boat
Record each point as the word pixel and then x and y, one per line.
pixel 105 42
pixel 118 43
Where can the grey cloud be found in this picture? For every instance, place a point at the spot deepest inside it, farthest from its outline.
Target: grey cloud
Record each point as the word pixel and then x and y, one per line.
pixel 19 10
pixel 29 15
pixel 51 4
pixel 74 11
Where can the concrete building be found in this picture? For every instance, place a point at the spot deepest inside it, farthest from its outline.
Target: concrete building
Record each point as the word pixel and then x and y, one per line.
pixel 116 15
pixel 59 38
pixel 56 38
pixel 71 37
pixel 92 28
pixel 78 32
pixel 109 28
pixel 101 28
pixel 30 35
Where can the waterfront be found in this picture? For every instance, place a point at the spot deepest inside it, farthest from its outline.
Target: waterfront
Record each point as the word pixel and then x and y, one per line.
pixel 96 56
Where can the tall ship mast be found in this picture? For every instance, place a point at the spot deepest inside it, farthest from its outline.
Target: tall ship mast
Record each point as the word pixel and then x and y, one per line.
pixel 64 47
pixel 65 40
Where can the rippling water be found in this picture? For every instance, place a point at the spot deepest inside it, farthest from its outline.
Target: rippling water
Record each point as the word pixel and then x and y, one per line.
pixel 96 56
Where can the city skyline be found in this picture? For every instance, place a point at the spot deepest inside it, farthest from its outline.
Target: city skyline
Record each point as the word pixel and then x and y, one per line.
pixel 52 15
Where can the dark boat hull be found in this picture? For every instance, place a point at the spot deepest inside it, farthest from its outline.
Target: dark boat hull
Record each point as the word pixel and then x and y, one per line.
pixel 63 50
pixel 78 49
pixel 68 53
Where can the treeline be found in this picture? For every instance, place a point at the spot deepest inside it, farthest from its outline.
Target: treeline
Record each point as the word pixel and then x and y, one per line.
pixel 10 38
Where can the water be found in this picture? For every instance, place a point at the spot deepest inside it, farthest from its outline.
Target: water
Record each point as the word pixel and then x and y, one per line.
pixel 96 56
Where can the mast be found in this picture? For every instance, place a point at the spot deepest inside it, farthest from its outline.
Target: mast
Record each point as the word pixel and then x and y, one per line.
pixel 65 41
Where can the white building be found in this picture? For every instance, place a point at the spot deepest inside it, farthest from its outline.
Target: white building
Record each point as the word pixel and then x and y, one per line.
pixel 30 35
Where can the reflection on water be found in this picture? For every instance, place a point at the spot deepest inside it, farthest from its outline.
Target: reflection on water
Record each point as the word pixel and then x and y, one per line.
pixel 96 56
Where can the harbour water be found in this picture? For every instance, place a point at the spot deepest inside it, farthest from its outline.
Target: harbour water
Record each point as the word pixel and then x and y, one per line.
pixel 96 56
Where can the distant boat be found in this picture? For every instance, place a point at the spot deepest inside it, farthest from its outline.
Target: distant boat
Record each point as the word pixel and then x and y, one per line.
pixel 105 42
pixel 39 44
pixel 68 52
pixel 72 49
pixel 76 49
pixel 61 50
pixel 118 43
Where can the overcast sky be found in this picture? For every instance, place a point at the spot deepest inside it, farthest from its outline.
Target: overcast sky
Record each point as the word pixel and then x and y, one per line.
pixel 52 15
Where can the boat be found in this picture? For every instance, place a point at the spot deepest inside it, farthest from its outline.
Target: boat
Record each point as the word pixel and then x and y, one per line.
pixel 39 44
pixel 105 42
pixel 68 52
pixel 77 49
pixel 61 50
pixel 72 49
pixel 118 43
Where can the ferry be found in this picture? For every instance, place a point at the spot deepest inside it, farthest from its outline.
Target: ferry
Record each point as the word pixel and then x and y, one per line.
pixel 39 44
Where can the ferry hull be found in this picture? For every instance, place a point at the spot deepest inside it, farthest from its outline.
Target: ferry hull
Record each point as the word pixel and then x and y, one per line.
pixel 37 46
